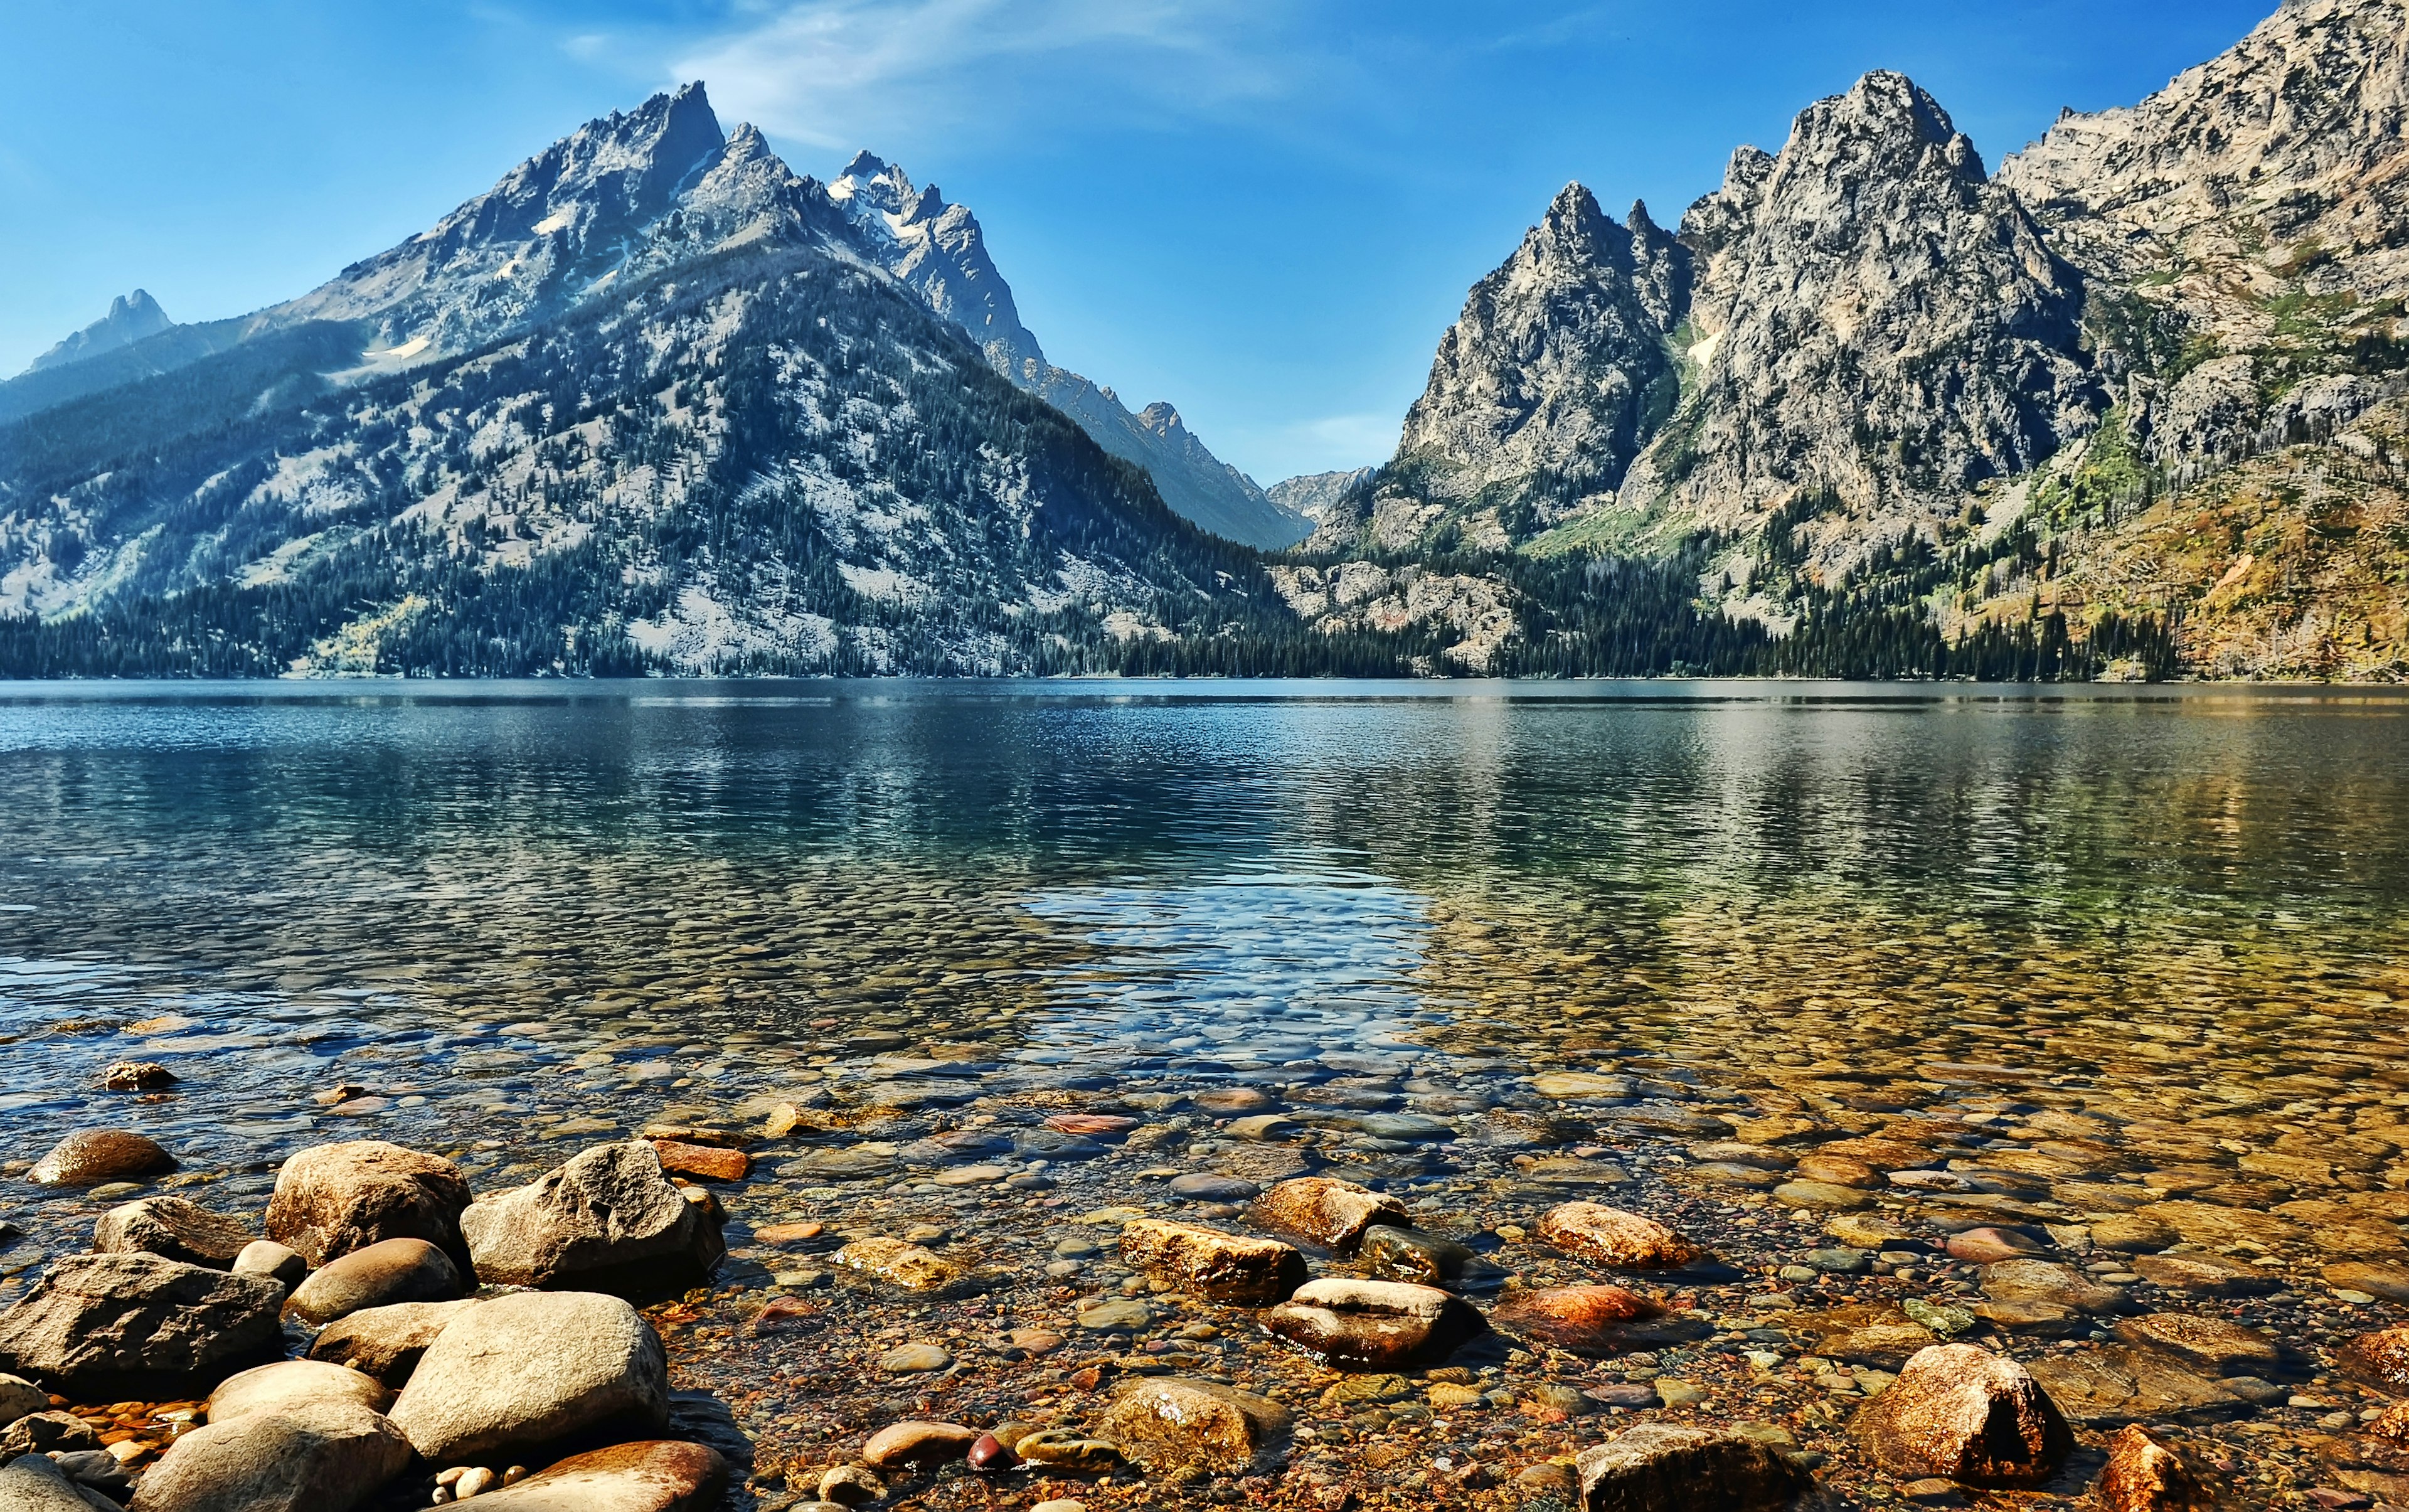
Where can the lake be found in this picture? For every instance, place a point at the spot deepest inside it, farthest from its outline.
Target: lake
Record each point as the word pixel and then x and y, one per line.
pixel 2137 950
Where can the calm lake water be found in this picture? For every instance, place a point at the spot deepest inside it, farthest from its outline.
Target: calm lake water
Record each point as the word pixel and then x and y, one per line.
pixel 2165 908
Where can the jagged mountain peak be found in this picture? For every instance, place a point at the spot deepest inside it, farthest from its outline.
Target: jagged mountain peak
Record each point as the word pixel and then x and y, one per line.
pixel 1161 419
pixel 1885 124
pixel 131 318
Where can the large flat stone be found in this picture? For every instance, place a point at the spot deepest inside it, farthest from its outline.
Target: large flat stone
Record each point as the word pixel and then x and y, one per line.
pixel 531 1369
pixel 112 1328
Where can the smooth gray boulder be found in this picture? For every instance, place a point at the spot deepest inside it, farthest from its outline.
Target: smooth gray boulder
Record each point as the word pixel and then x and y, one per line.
pixel 608 1220
pixel 138 1327
pixel 386 1341
pixel 533 1368
pixel 380 1275
pixel 266 1256
pixel 34 1483
pixel 317 1457
pixel 294 1383
pixel 173 1228
pixel 333 1199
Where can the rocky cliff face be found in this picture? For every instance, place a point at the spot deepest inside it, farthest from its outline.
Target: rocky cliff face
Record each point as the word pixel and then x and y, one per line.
pixel 1878 329
pixel 1311 494
pixel 1545 388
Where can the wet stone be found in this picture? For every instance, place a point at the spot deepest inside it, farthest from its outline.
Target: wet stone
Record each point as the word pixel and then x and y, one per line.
pixel 2144 1473
pixel 2114 1385
pixel 2381 1356
pixel 1598 1321
pixel 918 1443
pixel 97 1156
pixel 1327 1212
pixel 906 1267
pixel 2051 1284
pixel 1168 1423
pixel 2203 1276
pixel 136 1076
pixel 1965 1414
pixel 1373 1325
pixel 2212 1346
pixel 1394 1254
pixel 2375 1279
pixel 1220 1266
pixel 1615 1239
pixel 1989 1245
pixel 1663 1467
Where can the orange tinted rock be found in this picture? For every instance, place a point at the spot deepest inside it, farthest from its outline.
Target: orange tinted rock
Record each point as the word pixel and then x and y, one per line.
pixel 1223 1267
pixel 94 1156
pixel 918 1443
pixel 651 1475
pixel 790 1234
pixel 1373 1325
pixel 2144 1474
pixel 1324 1210
pixel 704 1163
pixel 1838 1170
pixel 1615 1239
pixel 1963 1413
pixel 2381 1356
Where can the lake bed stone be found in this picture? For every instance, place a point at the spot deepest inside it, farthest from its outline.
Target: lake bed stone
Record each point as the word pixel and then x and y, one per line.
pixel 1615 1239
pixel 1663 1467
pixel 608 1219
pixel 1326 1211
pixel 1373 1325
pixel 98 1156
pixel 1962 1413
pixel 1210 1264
pixel 1165 1423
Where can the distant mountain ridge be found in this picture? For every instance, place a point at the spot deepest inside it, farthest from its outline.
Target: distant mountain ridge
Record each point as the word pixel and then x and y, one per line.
pixel 2134 405
pixel 939 250
pixel 652 402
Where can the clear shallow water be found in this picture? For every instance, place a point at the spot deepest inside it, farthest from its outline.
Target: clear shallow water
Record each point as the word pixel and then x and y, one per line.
pixel 2182 911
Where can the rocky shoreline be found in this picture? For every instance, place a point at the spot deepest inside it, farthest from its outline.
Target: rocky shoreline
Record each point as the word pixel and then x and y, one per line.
pixel 895 1286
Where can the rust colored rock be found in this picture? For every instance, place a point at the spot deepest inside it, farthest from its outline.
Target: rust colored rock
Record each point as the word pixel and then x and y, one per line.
pixel 1838 1170
pixel 136 1076
pixel 918 1443
pixel 94 1156
pixel 1327 1212
pixel 172 1226
pixel 1615 1239
pixel 1968 1415
pixel 333 1199
pixel 704 1163
pixel 1665 1467
pixel 2381 1356
pixel 1220 1266
pixel 1596 1321
pixel 1164 1424
pixel 990 1455
pixel 2144 1474
pixel 1374 1325
pixel 1092 1125
pixel 788 1233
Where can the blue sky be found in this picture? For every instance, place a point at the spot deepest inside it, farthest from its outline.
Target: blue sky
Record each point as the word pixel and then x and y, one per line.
pixel 1262 210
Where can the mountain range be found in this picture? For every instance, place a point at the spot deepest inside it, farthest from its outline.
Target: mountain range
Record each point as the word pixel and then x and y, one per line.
pixel 2130 406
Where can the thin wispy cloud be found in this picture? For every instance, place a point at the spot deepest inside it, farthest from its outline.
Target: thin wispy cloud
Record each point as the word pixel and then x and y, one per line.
pixel 835 73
